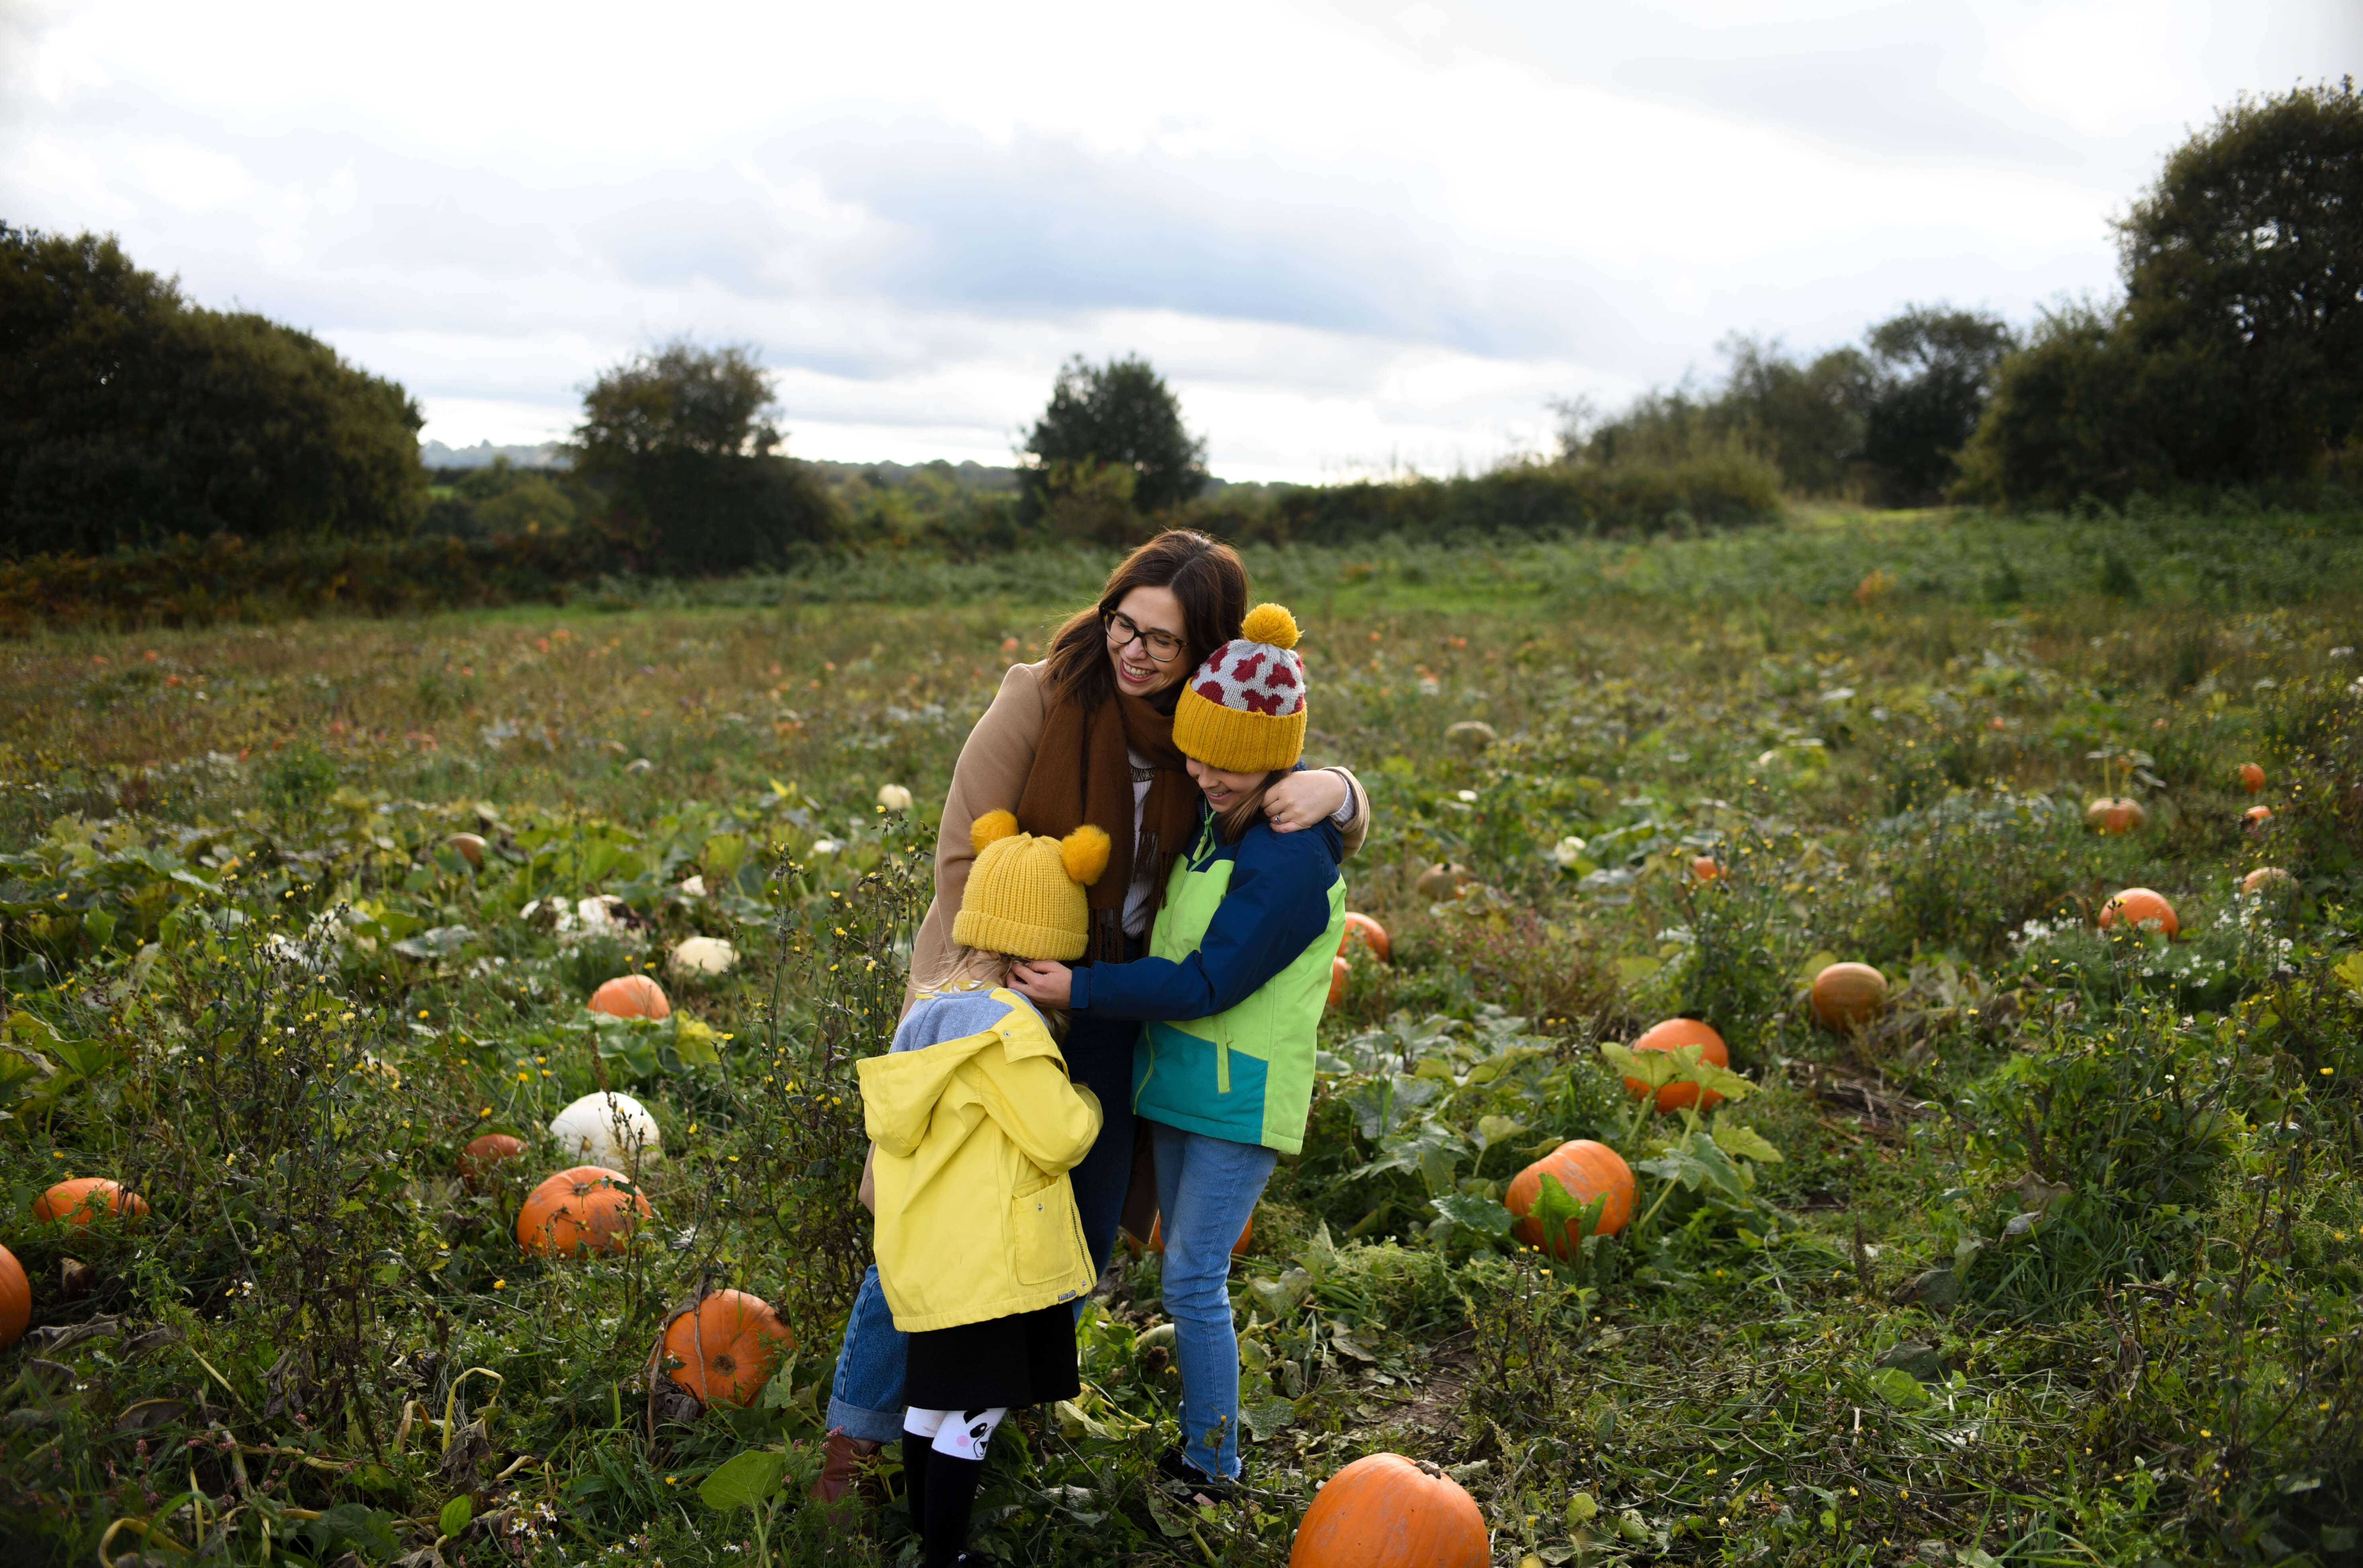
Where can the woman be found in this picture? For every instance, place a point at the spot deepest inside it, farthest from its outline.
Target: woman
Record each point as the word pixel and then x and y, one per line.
pixel 1086 735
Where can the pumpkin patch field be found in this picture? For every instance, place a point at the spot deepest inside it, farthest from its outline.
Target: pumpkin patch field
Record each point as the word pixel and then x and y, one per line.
pixel 1766 1114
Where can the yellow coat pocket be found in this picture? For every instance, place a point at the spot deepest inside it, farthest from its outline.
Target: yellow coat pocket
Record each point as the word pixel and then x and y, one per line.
pixel 1039 1234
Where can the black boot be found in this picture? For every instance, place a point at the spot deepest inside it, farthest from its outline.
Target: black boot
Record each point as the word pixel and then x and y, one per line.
pixel 916 1453
pixel 951 1497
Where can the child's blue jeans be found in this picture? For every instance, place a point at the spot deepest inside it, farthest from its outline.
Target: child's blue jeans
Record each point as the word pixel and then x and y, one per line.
pixel 1206 1190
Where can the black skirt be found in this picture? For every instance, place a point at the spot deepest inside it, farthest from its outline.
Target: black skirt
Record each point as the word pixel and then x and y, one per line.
pixel 1028 1359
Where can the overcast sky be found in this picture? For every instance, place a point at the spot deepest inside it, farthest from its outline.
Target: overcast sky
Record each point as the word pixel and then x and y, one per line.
pixel 1355 237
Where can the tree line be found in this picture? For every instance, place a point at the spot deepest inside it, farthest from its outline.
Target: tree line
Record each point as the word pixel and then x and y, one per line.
pixel 129 417
pixel 2234 357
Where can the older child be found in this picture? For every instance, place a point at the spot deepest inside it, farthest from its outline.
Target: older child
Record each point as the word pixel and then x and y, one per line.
pixel 974 1125
pixel 1233 988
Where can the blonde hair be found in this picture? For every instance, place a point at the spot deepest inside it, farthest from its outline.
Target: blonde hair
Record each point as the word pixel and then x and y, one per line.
pixel 976 968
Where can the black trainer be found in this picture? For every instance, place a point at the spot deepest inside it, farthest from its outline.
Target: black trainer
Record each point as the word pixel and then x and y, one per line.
pixel 1175 1465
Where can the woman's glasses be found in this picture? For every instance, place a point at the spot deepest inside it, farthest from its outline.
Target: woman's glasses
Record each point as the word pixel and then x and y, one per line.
pixel 1121 633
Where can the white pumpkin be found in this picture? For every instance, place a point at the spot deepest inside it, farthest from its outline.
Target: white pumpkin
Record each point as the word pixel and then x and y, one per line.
pixel 607 1130
pixel 895 797
pixel 704 956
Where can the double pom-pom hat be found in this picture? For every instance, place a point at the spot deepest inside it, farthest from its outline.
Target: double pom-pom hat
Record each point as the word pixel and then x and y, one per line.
pixel 1024 893
pixel 1244 711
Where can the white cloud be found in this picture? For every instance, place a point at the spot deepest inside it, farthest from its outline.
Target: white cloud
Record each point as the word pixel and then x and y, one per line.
pixel 1352 236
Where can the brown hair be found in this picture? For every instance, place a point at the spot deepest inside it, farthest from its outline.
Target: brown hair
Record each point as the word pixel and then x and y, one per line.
pixel 1205 574
pixel 1241 814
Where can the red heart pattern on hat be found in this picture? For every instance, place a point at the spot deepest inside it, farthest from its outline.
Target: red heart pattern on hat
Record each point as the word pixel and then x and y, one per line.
pixel 1253 677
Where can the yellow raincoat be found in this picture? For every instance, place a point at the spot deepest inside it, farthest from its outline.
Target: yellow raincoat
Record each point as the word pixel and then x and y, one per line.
pixel 976 1218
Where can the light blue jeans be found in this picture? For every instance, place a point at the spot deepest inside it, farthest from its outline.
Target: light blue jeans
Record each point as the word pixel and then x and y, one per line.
pixel 1206 1189
pixel 866 1398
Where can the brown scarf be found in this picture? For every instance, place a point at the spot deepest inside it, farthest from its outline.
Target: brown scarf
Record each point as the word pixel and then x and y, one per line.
pixel 1082 774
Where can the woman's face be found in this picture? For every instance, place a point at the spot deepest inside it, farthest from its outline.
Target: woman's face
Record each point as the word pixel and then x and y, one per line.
pixel 1141 666
pixel 1224 789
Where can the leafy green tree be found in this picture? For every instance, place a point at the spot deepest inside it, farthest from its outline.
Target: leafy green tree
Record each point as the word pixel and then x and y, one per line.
pixel 1807 418
pixel 680 435
pixel 1804 419
pixel 127 416
pixel 2065 419
pixel 1931 371
pixel 501 499
pixel 1121 413
pixel 2247 254
pixel 2237 356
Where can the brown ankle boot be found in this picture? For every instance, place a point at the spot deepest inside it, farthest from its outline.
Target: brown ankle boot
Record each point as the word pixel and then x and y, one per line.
pixel 849 1466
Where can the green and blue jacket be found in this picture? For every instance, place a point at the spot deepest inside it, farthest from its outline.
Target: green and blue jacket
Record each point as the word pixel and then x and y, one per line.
pixel 1233 987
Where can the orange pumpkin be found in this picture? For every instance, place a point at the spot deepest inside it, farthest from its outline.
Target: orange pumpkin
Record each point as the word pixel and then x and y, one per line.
pixel 631 996
pixel 2139 907
pixel 1361 928
pixel 1671 1035
pixel 2256 817
pixel 1847 996
pixel 477 1160
pixel 1338 971
pixel 1706 867
pixel 2269 879
pixel 1386 1511
pixel 727 1346
pixel 2252 777
pixel 79 1201
pixel 1587 1170
pixel 15 1298
pixel 2118 815
pixel 583 1208
pixel 1157 1237
pixel 470 847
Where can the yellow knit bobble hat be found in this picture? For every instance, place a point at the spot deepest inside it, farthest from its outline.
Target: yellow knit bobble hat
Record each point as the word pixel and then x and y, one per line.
pixel 1024 893
pixel 1244 711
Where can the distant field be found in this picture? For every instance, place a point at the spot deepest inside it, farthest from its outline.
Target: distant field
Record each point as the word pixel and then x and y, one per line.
pixel 2054 1261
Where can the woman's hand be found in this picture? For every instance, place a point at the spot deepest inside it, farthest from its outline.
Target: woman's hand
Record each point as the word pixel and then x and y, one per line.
pixel 1052 984
pixel 1302 800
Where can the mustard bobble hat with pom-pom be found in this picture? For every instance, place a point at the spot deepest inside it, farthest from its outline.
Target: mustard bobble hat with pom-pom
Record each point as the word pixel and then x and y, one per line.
pixel 1244 711
pixel 1024 893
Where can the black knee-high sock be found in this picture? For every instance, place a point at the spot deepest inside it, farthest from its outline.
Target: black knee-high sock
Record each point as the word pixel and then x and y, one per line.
pixel 916 1460
pixel 950 1496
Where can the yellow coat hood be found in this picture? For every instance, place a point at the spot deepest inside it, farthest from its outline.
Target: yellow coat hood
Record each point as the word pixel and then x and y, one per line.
pixel 976 1219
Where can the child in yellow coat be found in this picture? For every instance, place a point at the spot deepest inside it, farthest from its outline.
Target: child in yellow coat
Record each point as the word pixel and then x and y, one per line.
pixel 974 1125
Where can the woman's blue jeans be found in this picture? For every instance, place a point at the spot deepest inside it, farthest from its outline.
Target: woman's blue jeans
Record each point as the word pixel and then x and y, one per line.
pixel 866 1398
pixel 1206 1190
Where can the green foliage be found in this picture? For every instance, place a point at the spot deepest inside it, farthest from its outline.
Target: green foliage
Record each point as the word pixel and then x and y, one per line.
pixel 1884 420
pixel 500 499
pixel 1119 415
pixel 680 434
pixel 129 416
pixel 296 782
pixel 2231 360
pixel 1725 491
pixel 1934 370
pixel 193 582
pixel 2242 257
pixel 2071 1191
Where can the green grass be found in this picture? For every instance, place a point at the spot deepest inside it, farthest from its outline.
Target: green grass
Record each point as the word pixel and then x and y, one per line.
pixel 2090 1198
